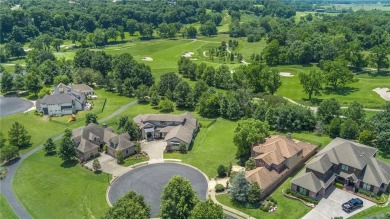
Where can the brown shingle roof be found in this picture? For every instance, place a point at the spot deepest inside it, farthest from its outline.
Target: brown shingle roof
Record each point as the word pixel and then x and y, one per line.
pixel 262 176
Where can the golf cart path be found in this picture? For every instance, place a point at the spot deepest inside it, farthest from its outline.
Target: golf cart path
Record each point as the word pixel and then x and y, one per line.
pixel 314 108
pixel 6 184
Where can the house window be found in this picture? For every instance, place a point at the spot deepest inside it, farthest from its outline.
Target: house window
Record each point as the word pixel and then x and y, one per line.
pixel 127 151
pixel 344 167
pixel 366 186
pixel 302 190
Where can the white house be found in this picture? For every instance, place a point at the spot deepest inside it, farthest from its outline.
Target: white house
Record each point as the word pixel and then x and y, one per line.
pixel 63 101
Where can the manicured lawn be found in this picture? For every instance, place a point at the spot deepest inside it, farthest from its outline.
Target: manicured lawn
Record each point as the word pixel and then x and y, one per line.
pixel 41 128
pixel 361 90
pixel 132 161
pixel 212 146
pixel 49 189
pixel 372 212
pixel 287 208
pixel 6 212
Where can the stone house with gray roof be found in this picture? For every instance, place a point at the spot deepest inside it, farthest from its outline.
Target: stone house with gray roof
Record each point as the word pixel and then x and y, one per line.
pixel 350 163
pixel 174 129
pixel 63 101
pixel 92 138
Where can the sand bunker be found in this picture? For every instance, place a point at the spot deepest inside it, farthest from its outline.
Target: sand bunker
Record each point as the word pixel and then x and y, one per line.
pixel 286 74
pixel 383 92
pixel 188 54
pixel 148 59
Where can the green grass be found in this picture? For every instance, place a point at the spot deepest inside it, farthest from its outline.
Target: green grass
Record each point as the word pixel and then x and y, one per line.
pixel 131 161
pixel 212 146
pixel 372 212
pixel 360 91
pixel 41 128
pixel 6 212
pixel 287 208
pixel 48 190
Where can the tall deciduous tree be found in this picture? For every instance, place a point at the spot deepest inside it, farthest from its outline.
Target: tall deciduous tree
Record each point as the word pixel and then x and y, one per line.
pixel 129 206
pixel 182 95
pixel 337 73
pixel 247 133
pixel 349 129
pixel 18 136
pixel 91 118
pixel 311 82
pixel 33 83
pixel 355 112
pixel 207 210
pixel 67 150
pixel 6 81
pixel 328 109
pixel 239 188
pixel 378 57
pixel 272 81
pixel 178 199
pixel 168 81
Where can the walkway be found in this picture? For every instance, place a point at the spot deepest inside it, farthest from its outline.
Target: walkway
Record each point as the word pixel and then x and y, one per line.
pixel 6 184
pixel 314 108
pixel 109 165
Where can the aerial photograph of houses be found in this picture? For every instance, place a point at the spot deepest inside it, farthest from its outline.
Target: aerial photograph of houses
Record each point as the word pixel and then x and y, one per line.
pixel 195 109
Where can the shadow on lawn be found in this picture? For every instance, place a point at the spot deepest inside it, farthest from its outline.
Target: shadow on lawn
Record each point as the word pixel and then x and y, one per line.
pixel 344 91
pixel 69 164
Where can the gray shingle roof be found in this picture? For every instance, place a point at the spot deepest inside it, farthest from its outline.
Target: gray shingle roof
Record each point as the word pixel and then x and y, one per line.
pixel 56 99
pixel 181 132
pixel 81 88
pixel 376 173
pixel 308 181
pixel 320 164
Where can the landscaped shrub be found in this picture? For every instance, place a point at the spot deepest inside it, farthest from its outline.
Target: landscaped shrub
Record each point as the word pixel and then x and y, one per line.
pixel 303 197
pixel 222 171
pixel 250 164
pixel 219 188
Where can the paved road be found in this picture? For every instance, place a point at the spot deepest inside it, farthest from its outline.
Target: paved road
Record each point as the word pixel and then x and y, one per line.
pixel 150 181
pixel 6 184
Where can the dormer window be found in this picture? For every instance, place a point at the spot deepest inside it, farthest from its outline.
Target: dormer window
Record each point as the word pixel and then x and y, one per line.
pixel 344 167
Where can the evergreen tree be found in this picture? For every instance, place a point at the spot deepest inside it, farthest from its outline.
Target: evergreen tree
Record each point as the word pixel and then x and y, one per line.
pixel 254 193
pixel 49 147
pixel 239 188
pixel 18 136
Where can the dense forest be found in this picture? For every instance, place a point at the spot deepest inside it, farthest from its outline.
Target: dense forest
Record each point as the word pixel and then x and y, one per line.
pixel 336 44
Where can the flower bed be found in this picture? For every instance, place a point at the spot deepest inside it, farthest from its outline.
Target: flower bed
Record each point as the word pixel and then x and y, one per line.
pixel 297 196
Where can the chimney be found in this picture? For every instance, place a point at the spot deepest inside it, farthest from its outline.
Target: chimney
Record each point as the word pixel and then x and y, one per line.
pixel 289 135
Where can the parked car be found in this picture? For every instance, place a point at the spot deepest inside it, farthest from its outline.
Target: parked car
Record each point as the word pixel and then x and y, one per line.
pixel 352 204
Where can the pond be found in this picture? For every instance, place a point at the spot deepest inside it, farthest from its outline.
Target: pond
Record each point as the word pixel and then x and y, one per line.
pixel 12 105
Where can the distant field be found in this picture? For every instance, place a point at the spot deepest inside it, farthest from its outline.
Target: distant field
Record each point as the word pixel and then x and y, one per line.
pixel 360 90
pixel 367 7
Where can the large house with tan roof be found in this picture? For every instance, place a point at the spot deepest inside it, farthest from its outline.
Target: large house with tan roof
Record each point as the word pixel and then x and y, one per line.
pixel 350 163
pixel 92 138
pixel 275 159
pixel 176 130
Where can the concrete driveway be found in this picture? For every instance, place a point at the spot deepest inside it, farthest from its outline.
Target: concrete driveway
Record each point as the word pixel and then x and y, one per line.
pixel 154 149
pixel 330 206
pixel 109 165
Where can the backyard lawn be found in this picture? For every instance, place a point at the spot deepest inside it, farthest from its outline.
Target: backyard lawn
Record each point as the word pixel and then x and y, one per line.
pixel 287 208
pixel 212 146
pixel 41 128
pixel 6 212
pixel 49 189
